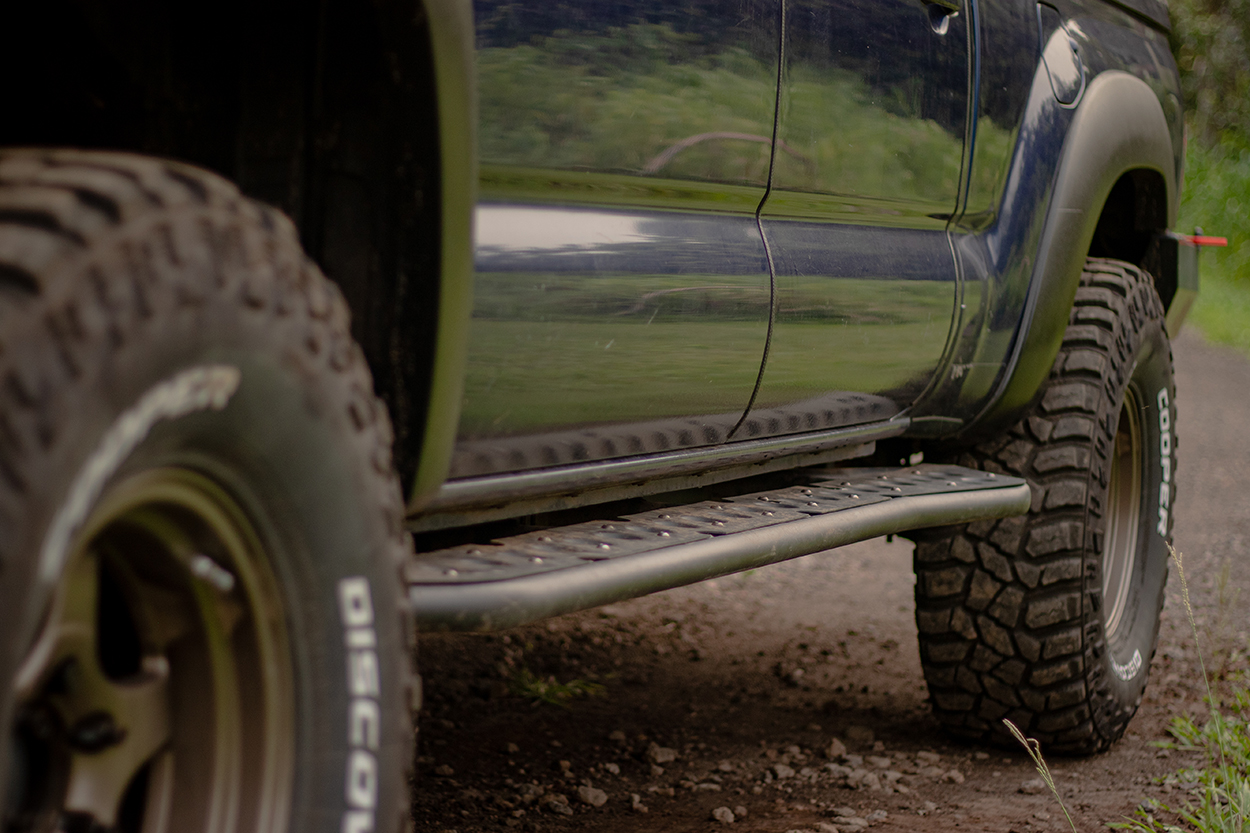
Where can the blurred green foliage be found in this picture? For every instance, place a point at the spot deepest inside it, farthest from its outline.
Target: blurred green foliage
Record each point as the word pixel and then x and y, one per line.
pixel 1210 40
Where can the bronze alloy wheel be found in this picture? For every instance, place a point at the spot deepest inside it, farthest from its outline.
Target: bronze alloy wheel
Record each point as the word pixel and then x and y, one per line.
pixel 164 653
pixel 1124 500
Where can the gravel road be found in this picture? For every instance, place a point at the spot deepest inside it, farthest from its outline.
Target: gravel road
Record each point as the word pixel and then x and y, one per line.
pixel 722 703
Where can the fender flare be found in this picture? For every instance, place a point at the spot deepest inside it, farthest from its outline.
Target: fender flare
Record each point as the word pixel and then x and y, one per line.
pixel 1119 126
pixel 451 41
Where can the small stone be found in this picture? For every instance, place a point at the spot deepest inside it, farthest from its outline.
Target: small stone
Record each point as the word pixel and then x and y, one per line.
pixel 854 761
pixel 740 811
pixel 928 808
pixel 814 727
pixel 878 747
pixel 661 754
pixel 557 803
pixel 838 771
pixel 444 771
pixel 981 756
pixel 835 749
pixel 707 787
pixel 954 776
pixel 656 771
pixel 826 827
pixel 618 737
pixel 1034 786
pixel 842 812
pixel 565 766
pixel 931 772
pixel 512 749
pixel 724 815
pixel 635 803
pixel 929 758
pixel 879 762
pixel 592 795
pixel 725 766
pixel 782 771
pixel 612 768
pixel 876 816
pixel 1042 815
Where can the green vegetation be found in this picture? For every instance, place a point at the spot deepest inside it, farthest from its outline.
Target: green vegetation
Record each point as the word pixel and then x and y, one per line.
pixel 1217 199
pixel 1219 790
pixel 1210 40
pixel 550 691
pixel 1034 748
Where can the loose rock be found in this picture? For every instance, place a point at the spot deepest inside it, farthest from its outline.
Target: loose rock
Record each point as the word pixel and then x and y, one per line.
pixel 592 795
pixel 954 776
pixel 557 803
pixel 1035 786
pixel 661 754
pixel 724 815
pixel 836 749
pixel 782 771
pixel 635 803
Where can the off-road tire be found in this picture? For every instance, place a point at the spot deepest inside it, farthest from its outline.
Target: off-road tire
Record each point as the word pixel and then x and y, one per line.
pixel 125 281
pixel 1011 614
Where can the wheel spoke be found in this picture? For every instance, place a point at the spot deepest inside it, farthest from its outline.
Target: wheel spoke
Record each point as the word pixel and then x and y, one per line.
pixel 132 718
pixel 112 727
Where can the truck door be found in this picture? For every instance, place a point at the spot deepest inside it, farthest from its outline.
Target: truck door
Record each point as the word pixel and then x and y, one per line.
pixel 622 287
pixel 867 176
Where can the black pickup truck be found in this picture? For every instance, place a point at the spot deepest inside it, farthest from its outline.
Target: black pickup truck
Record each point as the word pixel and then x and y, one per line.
pixel 641 293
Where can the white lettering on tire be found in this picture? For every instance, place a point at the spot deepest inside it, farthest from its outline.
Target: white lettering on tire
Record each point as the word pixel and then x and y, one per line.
pixel 204 388
pixel 1128 670
pixel 1165 461
pixel 364 716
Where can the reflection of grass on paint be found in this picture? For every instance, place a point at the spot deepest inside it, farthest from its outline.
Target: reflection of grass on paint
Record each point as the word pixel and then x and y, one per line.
pixel 525 375
pixel 565 104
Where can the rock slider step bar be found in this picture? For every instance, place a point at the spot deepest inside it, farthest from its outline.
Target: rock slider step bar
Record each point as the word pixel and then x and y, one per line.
pixel 516 580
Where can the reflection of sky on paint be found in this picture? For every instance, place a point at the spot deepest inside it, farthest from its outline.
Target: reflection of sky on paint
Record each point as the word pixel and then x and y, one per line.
pixel 505 229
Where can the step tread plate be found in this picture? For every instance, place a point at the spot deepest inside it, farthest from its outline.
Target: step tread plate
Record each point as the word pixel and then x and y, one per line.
pixel 545 551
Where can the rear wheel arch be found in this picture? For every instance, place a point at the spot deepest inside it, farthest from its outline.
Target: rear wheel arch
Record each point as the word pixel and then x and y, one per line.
pixel 1119 131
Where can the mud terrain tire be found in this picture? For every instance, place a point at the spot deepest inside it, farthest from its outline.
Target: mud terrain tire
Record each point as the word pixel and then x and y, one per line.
pixel 200 529
pixel 1050 619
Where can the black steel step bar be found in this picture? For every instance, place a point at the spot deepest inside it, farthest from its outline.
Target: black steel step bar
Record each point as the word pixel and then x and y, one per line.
pixel 521 579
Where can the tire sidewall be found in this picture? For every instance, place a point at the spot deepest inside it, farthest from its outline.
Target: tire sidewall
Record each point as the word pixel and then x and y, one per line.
pixel 1122 664
pixel 296 447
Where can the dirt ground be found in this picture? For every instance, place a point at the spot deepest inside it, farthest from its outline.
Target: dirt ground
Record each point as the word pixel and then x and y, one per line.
pixel 721 701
